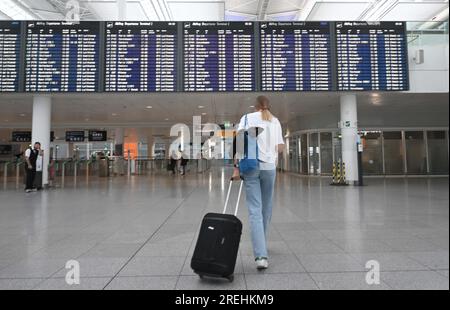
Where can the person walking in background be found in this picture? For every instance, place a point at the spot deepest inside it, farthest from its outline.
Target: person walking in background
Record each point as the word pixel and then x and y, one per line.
pixel 183 162
pixel 173 162
pixel 260 181
pixel 31 156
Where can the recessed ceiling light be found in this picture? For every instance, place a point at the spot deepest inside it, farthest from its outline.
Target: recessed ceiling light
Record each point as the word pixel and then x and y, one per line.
pixel 114 114
pixel 203 113
pixel 251 107
pixel 22 114
pixel 87 119
pixel 201 106
pixel 149 107
pixel 166 119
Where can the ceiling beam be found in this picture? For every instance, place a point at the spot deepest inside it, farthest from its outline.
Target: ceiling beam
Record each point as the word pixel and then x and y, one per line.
pixel 262 9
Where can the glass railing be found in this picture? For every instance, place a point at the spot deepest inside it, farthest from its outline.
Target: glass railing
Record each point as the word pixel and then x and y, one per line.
pixel 427 33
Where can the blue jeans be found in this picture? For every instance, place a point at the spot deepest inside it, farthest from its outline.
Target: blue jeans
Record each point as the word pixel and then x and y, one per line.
pixel 259 187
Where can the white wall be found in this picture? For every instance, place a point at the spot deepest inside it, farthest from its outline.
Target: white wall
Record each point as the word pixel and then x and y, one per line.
pixel 432 75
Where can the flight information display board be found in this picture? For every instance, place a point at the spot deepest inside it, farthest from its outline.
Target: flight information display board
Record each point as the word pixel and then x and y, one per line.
pixel 372 56
pixel 141 56
pixel 219 56
pixel 62 56
pixel 295 56
pixel 10 36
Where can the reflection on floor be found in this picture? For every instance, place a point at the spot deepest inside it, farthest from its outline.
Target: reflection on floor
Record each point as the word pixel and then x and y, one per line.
pixel 139 233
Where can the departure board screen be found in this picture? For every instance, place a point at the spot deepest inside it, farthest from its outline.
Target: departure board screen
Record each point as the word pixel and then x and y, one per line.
pixel 219 56
pixel 62 56
pixel 141 56
pixel 372 56
pixel 10 34
pixel 295 56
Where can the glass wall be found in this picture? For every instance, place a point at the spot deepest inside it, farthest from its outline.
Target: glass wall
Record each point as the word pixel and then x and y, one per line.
pixel 372 157
pixel 437 152
pixel 411 152
pixel 313 153
pixel 304 154
pixel 394 152
pixel 416 158
pixel 326 152
pixel 293 155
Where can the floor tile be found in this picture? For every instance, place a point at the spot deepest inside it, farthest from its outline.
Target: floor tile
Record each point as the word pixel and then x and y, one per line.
pixel 292 281
pixel 345 281
pixel 97 267
pixel 433 260
pixel 153 266
pixel 391 261
pixel 61 284
pixel 207 283
pixel 19 284
pixel 32 268
pixel 143 283
pixel 330 263
pixel 415 280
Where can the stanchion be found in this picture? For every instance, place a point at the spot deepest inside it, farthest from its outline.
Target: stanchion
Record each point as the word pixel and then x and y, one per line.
pixel 339 178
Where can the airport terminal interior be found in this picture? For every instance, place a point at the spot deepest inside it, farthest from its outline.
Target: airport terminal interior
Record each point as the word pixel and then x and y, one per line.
pixel 113 89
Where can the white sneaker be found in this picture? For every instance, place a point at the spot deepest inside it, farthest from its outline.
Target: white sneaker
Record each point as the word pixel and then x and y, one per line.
pixel 262 263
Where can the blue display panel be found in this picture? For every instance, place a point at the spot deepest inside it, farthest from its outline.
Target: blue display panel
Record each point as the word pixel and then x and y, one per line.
pixel 10 36
pixel 372 56
pixel 141 56
pixel 219 56
pixel 62 56
pixel 295 56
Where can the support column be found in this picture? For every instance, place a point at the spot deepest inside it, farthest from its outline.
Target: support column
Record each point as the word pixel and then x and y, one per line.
pixel 349 132
pixel 41 124
pixel 118 141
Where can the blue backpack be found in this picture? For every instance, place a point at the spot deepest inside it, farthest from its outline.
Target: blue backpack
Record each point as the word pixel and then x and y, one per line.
pixel 250 160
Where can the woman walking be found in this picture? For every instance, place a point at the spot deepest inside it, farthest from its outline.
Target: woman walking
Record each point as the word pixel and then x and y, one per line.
pixel 260 181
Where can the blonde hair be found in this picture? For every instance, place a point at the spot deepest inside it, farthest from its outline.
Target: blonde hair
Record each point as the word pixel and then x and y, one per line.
pixel 263 105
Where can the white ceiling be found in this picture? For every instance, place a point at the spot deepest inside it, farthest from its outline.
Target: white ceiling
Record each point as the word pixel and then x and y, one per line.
pixel 374 10
pixel 130 110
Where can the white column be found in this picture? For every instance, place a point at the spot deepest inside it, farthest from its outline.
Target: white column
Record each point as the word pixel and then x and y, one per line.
pixel 349 132
pixel 41 124
pixel 119 134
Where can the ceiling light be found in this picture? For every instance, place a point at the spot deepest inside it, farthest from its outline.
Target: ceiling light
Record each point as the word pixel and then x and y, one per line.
pixel 201 106
pixel 251 107
pixel 149 107
pixel 22 114
pixel 203 113
pixel 114 114
pixel 166 119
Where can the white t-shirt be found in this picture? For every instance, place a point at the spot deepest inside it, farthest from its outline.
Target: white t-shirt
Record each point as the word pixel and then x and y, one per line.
pixel 267 140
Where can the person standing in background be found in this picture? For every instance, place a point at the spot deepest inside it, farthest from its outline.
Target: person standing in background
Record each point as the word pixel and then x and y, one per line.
pixel 31 156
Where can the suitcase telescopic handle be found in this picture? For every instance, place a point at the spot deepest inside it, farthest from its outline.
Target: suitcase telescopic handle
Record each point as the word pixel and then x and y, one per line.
pixel 228 195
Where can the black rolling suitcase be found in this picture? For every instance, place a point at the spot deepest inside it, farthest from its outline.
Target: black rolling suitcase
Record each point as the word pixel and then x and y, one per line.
pixel 218 243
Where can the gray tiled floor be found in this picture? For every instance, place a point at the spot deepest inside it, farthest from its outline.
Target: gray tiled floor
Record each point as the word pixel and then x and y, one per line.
pixel 139 233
